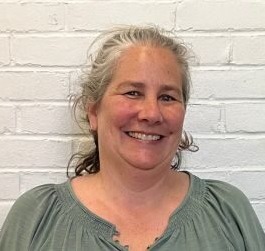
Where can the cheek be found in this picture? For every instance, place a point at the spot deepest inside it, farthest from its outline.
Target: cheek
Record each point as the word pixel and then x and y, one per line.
pixel 117 113
pixel 124 114
pixel 176 122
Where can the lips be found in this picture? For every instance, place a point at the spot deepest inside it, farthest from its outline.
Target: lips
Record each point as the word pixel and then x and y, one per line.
pixel 144 136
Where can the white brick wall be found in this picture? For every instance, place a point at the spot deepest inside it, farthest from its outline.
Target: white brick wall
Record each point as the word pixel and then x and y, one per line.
pixel 221 15
pixel 103 14
pixel 33 84
pixel 22 151
pixel 249 49
pixel 31 17
pixel 229 83
pixel 210 50
pixel 43 44
pixel 4 50
pixel 50 50
pixel 7 119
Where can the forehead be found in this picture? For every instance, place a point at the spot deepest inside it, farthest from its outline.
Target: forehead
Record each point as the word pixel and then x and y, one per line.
pixel 147 62
pixel 145 52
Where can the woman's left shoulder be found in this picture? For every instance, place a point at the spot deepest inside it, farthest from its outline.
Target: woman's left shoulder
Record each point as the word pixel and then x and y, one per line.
pixel 229 198
pixel 236 207
pixel 225 191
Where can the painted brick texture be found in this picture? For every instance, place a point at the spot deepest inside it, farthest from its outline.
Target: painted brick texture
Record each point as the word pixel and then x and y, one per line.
pixel 43 46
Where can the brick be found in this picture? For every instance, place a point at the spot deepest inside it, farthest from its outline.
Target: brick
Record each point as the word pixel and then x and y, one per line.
pixel 34 152
pixel 247 117
pixel 7 119
pixel 75 81
pixel 34 85
pixel 210 175
pixel 31 180
pixel 96 15
pixel 9 186
pixel 213 50
pixel 251 182
pixel 31 17
pixel 4 209
pixel 51 50
pixel 47 119
pixel 220 15
pixel 228 84
pixel 249 50
pixel 227 153
pixel 203 118
pixel 4 50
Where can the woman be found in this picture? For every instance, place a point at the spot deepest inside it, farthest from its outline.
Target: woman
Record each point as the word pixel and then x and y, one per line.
pixel 126 194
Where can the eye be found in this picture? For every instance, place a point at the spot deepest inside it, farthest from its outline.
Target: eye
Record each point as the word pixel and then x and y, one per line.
pixel 132 94
pixel 167 98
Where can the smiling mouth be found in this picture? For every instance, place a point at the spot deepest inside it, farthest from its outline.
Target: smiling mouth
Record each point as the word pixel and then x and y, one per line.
pixel 145 137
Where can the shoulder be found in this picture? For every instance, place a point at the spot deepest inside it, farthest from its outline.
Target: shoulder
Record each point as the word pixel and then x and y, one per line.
pixel 226 212
pixel 228 195
pixel 216 191
pixel 35 199
pixel 229 198
pixel 225 191
pixel 26 214
pixel 220 197
pixel 233 204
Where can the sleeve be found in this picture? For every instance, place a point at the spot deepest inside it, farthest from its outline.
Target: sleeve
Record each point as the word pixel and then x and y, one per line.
pixel 249 225
pixel 21 222
pixel 238 210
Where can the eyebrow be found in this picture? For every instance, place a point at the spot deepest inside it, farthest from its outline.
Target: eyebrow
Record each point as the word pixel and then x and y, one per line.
pixel 172 88
pixel 131 83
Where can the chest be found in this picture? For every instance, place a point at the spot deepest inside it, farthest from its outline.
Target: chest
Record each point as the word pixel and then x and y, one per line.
pixel 140 235
pixel 195 238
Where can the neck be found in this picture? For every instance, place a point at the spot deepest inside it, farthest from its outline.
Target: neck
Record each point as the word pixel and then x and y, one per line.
pixel 127 185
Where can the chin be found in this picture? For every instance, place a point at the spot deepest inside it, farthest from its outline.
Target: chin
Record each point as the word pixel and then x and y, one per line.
pixel 146 165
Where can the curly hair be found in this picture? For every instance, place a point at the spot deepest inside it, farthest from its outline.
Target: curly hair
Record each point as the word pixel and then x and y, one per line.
pixel 95 81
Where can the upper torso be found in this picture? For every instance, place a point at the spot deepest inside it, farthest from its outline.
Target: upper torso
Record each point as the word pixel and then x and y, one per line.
pixel 213 216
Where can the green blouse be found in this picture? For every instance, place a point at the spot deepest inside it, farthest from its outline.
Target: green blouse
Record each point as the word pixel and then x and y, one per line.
pixel 214 216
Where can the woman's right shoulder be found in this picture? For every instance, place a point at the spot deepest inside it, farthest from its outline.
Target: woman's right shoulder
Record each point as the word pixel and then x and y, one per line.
pixel 26 214
pixel 35 199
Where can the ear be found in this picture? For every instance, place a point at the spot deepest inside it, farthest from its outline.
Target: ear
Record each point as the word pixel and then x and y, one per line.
pixel 92 113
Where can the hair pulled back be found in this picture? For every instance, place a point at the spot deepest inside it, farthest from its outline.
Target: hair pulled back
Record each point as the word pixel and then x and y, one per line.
pixel 102 67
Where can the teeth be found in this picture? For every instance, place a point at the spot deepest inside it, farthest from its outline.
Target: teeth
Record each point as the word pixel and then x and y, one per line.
pixel 143 136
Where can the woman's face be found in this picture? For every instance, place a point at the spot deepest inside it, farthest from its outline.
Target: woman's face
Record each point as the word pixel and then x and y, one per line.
pixel 139 119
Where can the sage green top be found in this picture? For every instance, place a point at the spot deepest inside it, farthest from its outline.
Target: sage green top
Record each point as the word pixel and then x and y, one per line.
pixel 214 216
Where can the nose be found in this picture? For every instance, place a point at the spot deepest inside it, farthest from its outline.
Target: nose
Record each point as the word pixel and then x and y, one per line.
pixel 150 111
